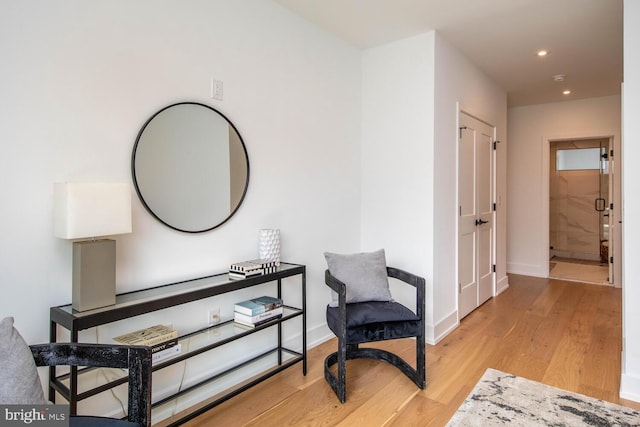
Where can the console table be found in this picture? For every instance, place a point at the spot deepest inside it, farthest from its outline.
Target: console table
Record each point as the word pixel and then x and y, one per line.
pixel 258 368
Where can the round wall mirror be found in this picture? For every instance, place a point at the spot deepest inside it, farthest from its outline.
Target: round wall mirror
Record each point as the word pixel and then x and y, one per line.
pixel 190 167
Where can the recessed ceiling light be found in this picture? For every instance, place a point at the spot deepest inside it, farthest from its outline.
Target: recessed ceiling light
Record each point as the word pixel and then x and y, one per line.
pixel 543 52
pixel 566 92
pixel 558 78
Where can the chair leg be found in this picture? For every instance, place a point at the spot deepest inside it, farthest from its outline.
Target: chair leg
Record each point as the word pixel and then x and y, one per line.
pixel 336 385
pixel 339 383
pixel 415 375
pixel 421 374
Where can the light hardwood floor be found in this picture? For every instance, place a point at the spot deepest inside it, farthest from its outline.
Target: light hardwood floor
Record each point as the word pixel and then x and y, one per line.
pixel 560 333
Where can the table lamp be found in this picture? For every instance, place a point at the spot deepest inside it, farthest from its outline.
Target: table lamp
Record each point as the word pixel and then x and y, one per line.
pixel 87 211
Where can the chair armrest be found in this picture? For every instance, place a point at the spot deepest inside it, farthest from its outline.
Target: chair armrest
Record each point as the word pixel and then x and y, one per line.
pixel 415 281
pixel 339 287
pixel 85 354
pixel 405 276
pixel 137 359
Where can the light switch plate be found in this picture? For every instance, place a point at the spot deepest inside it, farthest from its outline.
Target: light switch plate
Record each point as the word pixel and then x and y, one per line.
pixel 216 89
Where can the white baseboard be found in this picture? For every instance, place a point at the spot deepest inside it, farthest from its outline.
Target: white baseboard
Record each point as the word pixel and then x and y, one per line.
pixel 435 333
pixel 629 384
pixel 441 329
pixel 315 336
pixel 528 270
pixel 318 334
pixel 502 285
pixel 630 387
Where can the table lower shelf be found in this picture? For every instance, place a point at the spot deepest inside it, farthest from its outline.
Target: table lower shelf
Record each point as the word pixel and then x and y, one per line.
pixel 92 381
pixel 197 399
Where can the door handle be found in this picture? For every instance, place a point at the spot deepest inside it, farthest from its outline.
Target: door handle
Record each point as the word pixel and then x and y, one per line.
pixel 480 222
pixel 599 204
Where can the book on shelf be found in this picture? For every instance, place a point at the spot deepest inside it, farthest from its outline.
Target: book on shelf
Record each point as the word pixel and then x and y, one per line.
pixel 258 305
pixel 245 318
pixel 268 266
pixel 237 275
pixel 254 267
pixel 164 345
pixel 150 336
pixel 250 325
pixel 166 353
pixel 246 267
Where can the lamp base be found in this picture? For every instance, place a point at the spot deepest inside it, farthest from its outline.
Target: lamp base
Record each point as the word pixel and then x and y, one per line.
pixel 94 274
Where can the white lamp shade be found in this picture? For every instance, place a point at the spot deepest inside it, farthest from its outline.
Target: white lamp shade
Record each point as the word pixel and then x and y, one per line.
pixel 83 210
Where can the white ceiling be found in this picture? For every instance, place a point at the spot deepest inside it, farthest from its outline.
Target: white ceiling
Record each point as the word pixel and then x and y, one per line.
pixel 501 37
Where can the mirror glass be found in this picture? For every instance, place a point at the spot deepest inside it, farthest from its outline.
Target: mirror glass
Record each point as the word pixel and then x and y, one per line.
pixel 190 167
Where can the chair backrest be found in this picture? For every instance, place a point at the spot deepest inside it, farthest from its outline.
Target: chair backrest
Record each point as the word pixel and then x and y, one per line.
pixel 137 359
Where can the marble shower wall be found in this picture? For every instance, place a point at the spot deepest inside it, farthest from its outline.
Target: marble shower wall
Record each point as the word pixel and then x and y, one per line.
pixel 573 220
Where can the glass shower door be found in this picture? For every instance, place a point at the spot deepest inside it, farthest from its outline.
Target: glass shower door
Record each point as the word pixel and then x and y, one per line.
pixel 602 205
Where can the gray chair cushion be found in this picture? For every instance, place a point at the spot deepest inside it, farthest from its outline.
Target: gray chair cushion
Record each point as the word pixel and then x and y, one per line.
pixel 375 321
pixel 364 275
pixel 19 381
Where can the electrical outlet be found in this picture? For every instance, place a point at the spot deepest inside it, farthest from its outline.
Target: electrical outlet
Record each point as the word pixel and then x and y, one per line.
pixel 213 316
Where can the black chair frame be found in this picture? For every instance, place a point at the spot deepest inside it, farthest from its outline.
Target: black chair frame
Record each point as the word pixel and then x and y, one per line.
pixel 136 358
pixel 348 351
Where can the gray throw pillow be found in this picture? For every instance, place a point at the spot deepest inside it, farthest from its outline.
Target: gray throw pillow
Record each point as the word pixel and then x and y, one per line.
pixel 19 381
pixel 364 274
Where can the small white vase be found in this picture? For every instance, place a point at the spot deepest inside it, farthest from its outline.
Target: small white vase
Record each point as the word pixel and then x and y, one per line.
pixel 270 244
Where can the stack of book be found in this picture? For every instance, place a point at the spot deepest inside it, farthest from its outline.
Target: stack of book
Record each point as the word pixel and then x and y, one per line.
pixel 162 340
pixel 255 267
pixel 257 311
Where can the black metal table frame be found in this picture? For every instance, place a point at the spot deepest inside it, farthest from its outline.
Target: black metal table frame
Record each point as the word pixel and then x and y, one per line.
pixel 128 306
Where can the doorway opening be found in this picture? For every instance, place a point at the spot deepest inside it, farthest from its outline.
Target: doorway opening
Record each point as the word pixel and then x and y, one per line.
pixel 579 201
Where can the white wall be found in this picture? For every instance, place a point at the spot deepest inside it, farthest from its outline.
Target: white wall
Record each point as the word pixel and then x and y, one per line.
pixel 411 89
pixel 630 382
pixel 530 129
pixel 397 156
pixel 460 84
pixel 79 79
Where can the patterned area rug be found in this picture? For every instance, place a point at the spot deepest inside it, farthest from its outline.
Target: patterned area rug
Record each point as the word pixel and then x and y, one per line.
pixel 500 399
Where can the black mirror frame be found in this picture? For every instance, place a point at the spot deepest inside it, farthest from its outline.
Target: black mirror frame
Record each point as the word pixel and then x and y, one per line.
pixel 139 192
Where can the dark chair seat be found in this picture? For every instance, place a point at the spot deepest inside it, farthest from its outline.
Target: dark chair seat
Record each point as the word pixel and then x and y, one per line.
pixel 375 321
pixel 363 322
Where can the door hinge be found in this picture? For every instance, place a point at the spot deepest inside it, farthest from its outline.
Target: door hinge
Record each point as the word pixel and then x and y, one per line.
pixel 460 129
pixel 494 268
pixel 611 206
pixel 611 260
pixel 611 154
pixel 459 287
pixel 494 207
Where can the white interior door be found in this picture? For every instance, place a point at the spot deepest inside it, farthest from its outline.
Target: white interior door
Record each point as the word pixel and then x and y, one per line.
pixel 476 214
